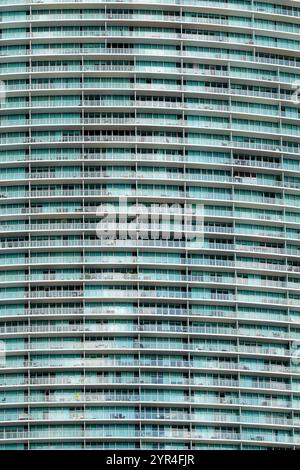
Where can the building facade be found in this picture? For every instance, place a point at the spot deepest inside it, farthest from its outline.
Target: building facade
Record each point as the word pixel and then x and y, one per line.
pixel 158 342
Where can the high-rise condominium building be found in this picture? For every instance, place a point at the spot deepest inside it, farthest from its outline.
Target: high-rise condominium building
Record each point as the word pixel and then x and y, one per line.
pixel 178 335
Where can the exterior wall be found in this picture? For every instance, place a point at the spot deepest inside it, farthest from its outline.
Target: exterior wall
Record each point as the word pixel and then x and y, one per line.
pixel 150 343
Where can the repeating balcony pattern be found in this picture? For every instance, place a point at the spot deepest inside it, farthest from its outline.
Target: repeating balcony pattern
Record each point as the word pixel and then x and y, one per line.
pixel 153 342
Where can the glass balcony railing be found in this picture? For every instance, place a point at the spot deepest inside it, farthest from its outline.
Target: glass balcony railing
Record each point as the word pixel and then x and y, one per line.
pixel 186 102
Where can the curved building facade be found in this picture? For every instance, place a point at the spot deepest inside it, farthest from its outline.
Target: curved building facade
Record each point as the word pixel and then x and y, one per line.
pixel 158 342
